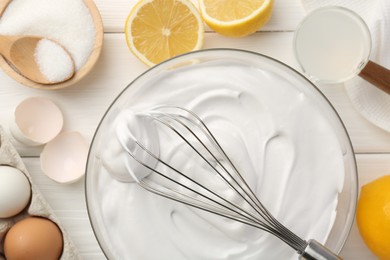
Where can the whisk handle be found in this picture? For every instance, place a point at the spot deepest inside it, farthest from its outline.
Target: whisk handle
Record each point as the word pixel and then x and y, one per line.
pixel 316 251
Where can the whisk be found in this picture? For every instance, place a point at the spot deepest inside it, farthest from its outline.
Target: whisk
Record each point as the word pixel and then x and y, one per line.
pixel 227 195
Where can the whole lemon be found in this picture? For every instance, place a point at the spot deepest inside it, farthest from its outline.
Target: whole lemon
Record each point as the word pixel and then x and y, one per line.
pixel 373 216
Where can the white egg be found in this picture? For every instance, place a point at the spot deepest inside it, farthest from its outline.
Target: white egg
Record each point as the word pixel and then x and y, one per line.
pixel 15 191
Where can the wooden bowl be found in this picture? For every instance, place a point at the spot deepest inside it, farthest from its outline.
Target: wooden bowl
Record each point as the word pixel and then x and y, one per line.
pixel 79 74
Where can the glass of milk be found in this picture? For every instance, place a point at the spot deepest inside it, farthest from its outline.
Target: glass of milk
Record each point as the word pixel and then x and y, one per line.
pixel 332 45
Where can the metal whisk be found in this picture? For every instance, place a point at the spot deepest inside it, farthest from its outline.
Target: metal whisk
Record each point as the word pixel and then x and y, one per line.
pixel 233 199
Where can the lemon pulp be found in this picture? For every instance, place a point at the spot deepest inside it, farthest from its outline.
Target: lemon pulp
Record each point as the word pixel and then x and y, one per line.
pixel 157 30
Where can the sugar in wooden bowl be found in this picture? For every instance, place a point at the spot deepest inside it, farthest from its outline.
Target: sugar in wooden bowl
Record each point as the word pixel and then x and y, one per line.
pixel 74 24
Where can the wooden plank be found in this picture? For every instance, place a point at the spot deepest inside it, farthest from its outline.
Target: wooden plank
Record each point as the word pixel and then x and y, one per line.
pixel 286 14
pixel 84 104
pixel 68 202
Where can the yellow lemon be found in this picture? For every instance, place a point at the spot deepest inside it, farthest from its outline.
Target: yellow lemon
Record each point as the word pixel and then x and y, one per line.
pixel 236 18
pixel 160 29
pixel 373 216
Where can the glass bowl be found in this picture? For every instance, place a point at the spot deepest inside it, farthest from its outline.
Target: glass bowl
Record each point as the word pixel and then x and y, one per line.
pixel 104 209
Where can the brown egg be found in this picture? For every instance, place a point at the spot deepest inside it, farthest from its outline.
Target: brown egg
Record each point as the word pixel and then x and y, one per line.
pixel 33 238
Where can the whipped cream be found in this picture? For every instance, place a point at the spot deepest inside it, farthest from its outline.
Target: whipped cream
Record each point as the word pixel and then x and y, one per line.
pixel 277 134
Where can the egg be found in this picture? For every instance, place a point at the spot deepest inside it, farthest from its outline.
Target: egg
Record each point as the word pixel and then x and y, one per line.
pixel 15 191
pixel 33 238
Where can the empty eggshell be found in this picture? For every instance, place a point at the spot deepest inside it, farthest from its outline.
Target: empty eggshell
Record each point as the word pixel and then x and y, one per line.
pixel 36 121
pixel 15 191
pixel 64 158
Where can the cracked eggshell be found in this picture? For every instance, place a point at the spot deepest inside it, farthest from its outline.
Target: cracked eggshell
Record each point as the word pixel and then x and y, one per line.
pixel 36 121
pixel 64 158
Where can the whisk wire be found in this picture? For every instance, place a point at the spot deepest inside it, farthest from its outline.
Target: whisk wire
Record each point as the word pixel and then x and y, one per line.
pixel 196 203
pixel 248 191
pixel 236 208
pixel 211 209
pixel 211 138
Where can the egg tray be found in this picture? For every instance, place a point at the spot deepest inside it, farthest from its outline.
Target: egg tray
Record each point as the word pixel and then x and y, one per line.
pixel 38 206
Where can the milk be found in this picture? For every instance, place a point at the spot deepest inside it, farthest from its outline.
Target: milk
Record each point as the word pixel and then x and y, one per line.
pixel 332 44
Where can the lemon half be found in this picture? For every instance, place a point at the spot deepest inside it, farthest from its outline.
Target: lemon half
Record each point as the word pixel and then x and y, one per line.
pixel 236 18
pixel 157 30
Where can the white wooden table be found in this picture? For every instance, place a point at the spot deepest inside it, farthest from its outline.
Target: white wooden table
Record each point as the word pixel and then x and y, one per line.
pixel 84 104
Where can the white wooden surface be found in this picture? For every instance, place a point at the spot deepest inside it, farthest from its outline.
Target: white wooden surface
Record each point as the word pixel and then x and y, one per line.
pixel 84 104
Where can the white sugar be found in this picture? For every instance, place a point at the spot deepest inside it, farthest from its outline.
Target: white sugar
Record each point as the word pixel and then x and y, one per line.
pixel 68 22
pixel 53 61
